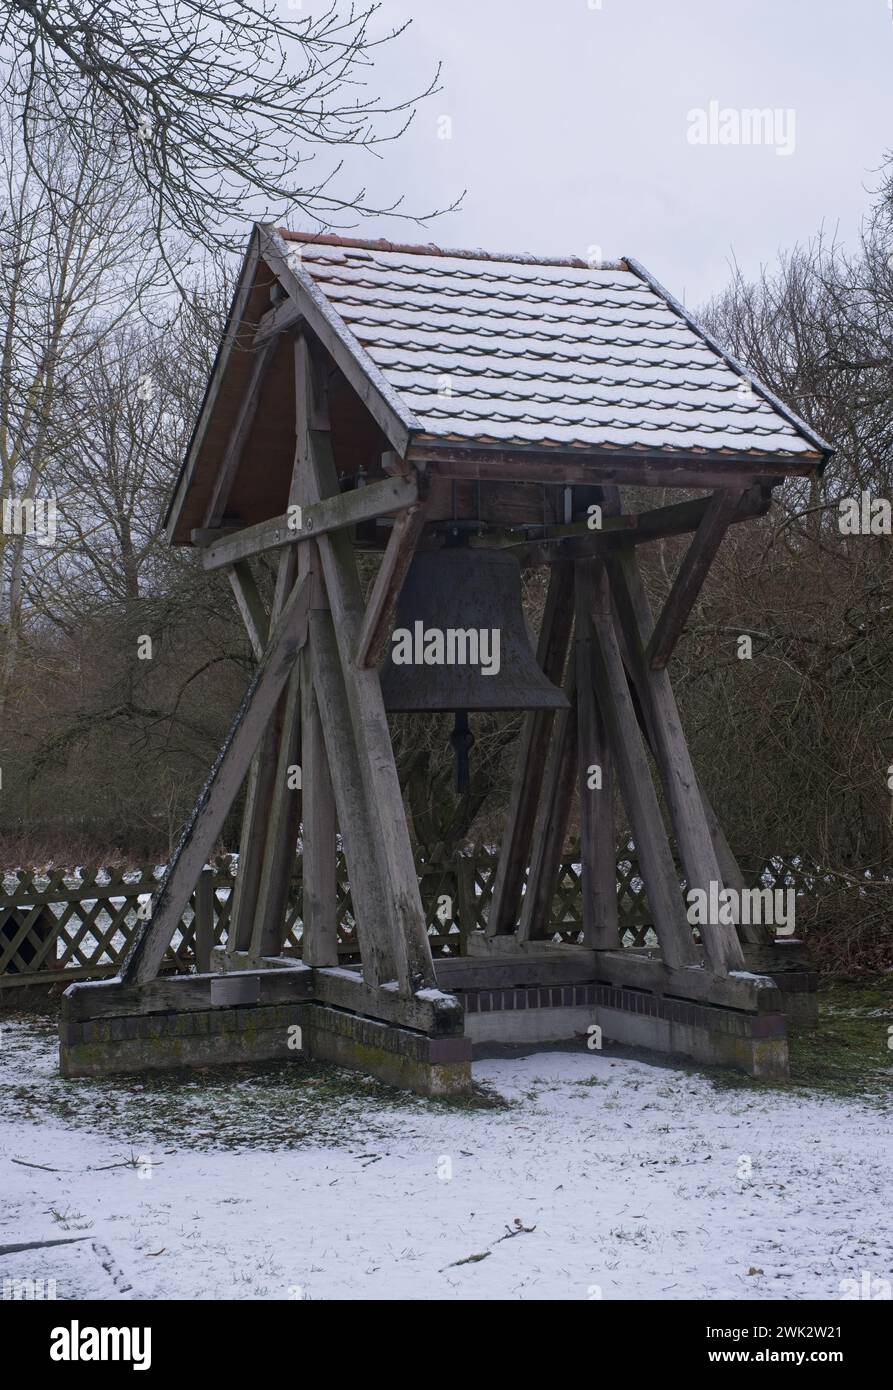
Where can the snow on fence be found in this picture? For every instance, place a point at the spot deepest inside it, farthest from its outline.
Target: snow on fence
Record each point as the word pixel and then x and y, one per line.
pixel 80 923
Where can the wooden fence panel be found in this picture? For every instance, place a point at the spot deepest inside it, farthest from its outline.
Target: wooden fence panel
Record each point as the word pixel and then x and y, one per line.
pixel 79 924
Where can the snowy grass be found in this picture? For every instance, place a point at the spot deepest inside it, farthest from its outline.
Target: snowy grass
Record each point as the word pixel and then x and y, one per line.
pixel 594 1175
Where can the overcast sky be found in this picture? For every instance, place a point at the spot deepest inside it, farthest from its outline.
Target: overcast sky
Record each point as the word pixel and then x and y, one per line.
pixel 570 126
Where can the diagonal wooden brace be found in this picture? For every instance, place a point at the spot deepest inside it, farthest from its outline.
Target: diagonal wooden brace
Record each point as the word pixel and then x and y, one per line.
pixel 206 822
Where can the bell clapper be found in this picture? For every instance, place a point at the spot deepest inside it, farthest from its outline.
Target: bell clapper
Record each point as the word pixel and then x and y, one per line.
pixel 462 740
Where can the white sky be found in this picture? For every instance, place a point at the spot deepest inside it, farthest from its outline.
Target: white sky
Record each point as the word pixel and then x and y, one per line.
pixel 570 123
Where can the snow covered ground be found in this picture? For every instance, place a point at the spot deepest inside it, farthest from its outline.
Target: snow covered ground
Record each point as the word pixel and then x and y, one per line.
pixel 617 1178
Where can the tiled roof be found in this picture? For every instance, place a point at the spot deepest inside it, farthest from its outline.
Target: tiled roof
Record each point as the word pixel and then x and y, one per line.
pixel 524 352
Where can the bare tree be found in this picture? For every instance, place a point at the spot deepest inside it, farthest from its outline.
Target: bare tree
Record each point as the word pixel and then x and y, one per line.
pixel 75 261
pixel 224 108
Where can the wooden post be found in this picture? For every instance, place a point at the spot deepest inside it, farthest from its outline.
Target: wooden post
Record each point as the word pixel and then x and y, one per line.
pixel 505 905
pixel 320 945
pixel 598 850
pixel 399 913
pixel 283 820
pixel 383 954
pixel 204 921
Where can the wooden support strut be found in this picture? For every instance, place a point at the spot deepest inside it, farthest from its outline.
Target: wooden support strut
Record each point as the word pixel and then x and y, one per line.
pixel 552 813
pixel 379 616
pixel 197 842
pixel 692 573
pixel 655 859
pixel 693 838
pixel 232 457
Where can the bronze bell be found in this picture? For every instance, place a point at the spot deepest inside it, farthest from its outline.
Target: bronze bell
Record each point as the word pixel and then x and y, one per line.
pixel 460 642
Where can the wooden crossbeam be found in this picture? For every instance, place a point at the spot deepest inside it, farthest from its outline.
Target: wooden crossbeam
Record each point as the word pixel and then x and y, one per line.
pixel 692 573
pixel 399 914
pixel 378 619
pixel 555 630
pixel 661 714
pixel 334 513
pixel 634 469
pixel 576 541
pixel 655 858
pixel 213 805
pixel 229 465
pixel 598 854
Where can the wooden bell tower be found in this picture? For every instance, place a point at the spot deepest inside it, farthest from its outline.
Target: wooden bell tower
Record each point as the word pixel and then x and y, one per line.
pixel 372 396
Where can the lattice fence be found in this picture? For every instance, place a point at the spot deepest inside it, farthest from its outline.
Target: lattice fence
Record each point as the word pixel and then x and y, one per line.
pixel 81 923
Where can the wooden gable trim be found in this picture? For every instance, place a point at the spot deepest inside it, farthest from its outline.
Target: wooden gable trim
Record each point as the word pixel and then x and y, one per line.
pixel 234 321
pixel 381 400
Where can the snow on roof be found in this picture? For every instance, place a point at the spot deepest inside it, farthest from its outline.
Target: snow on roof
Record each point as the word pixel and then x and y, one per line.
pixel 518 351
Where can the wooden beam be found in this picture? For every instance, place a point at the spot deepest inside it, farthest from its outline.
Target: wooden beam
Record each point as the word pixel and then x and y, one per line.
pixel 636 467
pixel 671 754
pixel 250 605
pixel 276 321
pixel 633 967
pixel 555 630
pixel 598 849
pixel 185 993
pixel 229 465
pixel 336 512
pixel 203 828
pixel 346 990
pixel 691 576
pixel 378 620
pixel 399 914
pixel 655 859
